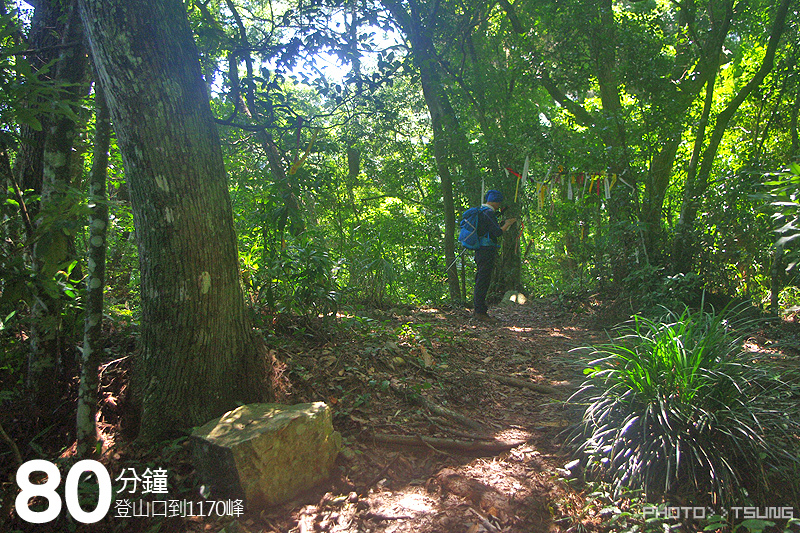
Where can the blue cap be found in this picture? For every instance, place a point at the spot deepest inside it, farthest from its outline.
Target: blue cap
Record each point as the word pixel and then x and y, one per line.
pixel 493 195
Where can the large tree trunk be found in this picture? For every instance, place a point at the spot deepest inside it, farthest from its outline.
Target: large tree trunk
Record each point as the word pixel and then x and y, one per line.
pixel 622 211
pixel 656 185
pixel 432 91
pixel 198 355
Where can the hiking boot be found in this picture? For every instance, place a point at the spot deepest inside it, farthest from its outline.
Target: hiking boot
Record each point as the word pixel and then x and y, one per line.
pixel 483 317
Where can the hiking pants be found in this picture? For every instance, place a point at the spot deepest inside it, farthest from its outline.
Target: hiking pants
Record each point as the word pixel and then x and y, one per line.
pixel 484 261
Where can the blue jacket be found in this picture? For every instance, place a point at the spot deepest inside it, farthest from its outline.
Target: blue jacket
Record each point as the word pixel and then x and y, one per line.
pixel 488 228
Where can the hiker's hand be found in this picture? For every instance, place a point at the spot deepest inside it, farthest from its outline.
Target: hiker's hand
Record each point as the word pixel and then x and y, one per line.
pixel 507 223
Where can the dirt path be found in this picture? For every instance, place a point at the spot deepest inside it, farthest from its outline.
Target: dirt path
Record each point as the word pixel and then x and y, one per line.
pixel 439 435
pixel 437 486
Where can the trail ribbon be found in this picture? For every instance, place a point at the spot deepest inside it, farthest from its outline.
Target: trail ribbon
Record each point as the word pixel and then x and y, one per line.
pixel 523 177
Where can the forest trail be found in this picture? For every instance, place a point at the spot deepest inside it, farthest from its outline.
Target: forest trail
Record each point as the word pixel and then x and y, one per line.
pixel 444 484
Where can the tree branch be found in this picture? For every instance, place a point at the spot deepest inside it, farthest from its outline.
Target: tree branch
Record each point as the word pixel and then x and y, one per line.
pixel 35 51
pixel 725 116
pixel 12 445
pixel 580 113
pixel 516 25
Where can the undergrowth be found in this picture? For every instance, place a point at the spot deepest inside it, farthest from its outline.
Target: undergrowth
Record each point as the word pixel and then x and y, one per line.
pixel 675 407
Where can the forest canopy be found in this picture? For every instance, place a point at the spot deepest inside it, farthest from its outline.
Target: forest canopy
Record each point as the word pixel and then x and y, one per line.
pixel 651 129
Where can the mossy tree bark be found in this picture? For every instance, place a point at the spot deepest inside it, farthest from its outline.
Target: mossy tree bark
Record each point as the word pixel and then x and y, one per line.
pixel 95 282
pixel 198 355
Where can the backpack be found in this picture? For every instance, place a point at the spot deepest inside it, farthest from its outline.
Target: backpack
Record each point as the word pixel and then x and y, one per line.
pixel 468 236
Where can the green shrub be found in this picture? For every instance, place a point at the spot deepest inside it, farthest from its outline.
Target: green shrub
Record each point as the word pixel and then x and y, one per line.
pixel 652 289
pixel 784 195
pixel 301 282
pixel 676 406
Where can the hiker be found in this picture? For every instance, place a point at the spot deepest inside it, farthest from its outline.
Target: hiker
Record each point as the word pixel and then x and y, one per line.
pixel 488 232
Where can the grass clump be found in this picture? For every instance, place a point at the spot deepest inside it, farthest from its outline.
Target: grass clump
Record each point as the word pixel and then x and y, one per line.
pixel 676 406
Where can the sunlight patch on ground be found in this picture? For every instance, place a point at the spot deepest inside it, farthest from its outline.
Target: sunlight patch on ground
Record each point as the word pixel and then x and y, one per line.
pixel 524 453
pixel 520 330
pixel 416 502
pixel 433 311
pixel 512 434
pixel 396 510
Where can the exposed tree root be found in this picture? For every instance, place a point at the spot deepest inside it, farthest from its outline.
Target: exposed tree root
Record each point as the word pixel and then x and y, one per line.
pixel 471 446
pixel 434 407
pixel 521 383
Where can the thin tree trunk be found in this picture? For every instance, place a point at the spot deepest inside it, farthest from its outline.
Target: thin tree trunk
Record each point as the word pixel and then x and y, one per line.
pixel 55 246
pixel 793 124
pixel 199 356
pixel 683 246
pixel 775 280
pixel 700 135
pixel 445 131
pixel 47 28
pixel 700 184
pixel 95 282
pixel 448 140
pixel 440 154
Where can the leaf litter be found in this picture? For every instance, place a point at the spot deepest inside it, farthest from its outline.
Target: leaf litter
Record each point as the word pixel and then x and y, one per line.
pixel 434 441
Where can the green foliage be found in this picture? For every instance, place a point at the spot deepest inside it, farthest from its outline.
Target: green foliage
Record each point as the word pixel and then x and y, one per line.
pixel 27 94
pixel 789 298
pixel 18 81
pixel 655 290
pixel 626 511
pixel 735 243
pixel 56 276
pixel 784 196
pixel 11 358
pixel 371 275
pixel 301 282
pixel 675 405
